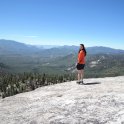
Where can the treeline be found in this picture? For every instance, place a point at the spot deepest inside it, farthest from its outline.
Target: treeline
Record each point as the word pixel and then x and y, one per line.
pixel 11 84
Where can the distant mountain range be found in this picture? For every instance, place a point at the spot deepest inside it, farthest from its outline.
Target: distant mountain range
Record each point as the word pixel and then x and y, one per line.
pixel 19 57
pixel 13 47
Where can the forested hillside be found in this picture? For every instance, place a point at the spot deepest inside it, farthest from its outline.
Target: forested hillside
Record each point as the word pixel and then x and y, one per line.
pixel 25 68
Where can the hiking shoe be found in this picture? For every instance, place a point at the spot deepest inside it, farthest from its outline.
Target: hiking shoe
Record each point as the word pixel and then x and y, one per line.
pixel 81 82
pixel 78 82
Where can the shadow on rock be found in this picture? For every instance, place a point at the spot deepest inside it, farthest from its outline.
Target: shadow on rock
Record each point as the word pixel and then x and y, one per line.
pixel 92 83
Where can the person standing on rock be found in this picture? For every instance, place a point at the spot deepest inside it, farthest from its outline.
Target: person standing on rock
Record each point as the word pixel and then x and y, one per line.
pixel 81 63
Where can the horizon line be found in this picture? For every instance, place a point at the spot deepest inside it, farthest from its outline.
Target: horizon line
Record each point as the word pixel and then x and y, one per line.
pixel 59 45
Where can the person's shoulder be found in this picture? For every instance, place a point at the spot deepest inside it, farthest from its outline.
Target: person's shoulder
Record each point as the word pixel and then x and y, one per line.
pixel 81 51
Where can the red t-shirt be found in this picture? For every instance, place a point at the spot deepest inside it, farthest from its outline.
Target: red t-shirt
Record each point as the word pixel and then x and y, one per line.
pixel 81 57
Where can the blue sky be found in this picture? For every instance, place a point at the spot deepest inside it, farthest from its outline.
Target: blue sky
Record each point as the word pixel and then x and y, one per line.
pixel 63 22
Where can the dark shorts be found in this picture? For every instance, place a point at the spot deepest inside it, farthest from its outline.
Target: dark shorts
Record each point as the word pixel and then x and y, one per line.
pixel 80 66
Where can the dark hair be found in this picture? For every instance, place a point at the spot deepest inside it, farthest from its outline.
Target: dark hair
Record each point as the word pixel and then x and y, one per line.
pixel 84 49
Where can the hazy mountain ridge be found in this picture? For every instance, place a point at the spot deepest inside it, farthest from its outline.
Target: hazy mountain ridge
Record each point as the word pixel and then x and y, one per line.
pixel 104 50
pixel 19 57
pixel 13 47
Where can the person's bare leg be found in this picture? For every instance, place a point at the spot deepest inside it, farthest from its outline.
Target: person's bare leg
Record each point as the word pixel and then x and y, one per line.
pixel 79 76
pixel 82 75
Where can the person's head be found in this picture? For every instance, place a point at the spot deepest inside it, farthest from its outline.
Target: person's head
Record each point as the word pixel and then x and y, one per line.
pixel 82 47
